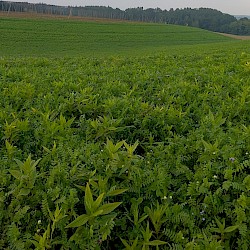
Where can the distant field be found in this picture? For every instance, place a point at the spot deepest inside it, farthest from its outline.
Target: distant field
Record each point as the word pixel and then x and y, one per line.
pixel 236 36
pixel 163 136
pixel 54 37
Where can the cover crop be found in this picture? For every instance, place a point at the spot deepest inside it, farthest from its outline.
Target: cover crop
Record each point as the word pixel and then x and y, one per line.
pixel 148 152
pixel 56 38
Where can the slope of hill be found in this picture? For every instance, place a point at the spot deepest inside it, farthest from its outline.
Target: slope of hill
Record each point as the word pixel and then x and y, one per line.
pixel 46 37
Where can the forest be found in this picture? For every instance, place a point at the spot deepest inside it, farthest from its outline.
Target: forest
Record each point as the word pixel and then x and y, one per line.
pixel 205 18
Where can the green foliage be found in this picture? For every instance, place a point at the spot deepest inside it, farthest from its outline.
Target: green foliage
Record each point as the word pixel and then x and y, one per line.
pixel 93 209
pixel 34 37
pixel 136 153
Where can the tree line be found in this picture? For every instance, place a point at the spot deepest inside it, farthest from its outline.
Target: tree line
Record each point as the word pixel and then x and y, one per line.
pixel 205 18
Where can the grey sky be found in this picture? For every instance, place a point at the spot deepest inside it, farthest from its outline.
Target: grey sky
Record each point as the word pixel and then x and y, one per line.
pixel 234 7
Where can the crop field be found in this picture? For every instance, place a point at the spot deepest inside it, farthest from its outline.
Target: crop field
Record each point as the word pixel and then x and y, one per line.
pixel 123 136
pixel 55 38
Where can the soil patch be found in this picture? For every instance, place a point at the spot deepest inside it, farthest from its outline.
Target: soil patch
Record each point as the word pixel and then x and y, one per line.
pixel 235 36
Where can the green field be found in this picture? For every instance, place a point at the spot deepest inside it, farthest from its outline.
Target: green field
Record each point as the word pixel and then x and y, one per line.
pixel 29 37
pixel 123 136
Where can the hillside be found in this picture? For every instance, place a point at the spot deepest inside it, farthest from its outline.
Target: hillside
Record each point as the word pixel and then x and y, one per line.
pixel 54 37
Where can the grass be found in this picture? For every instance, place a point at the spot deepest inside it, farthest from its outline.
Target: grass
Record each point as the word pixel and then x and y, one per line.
pixel 55 38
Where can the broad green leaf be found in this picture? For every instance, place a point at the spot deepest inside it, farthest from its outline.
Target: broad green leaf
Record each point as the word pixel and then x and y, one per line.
pixel 131 148
pixel 24 191
pixel 142 219
pixel 19 163
pixel 17 174
pixel 127 146
pixel 88 199
pixel 116 192
pixel 79 221
pixel 97 213
pixel 118 145
pixel 230 229
pixel 34 163
pixel 155 243
pixel 93 183
pixel 97 202
pixel 107 208
pixel 135 146
pixel 216 230
pixel 46 150
pixel 112 128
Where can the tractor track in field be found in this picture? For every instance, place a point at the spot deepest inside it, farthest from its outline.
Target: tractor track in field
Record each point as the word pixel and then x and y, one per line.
pixel 235 36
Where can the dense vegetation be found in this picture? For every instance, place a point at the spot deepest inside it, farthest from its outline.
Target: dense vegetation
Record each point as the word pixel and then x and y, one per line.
pixel 28 37
pixel 113 152
pixel 204 18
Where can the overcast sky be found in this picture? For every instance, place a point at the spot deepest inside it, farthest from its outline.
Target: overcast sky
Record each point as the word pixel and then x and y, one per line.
pixel 233 7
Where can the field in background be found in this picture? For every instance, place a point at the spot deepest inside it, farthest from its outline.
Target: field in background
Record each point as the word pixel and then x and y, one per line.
pixel 43 37
pixel 235 36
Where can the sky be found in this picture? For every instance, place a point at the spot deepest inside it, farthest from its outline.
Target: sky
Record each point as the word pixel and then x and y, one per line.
pixel 233 7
